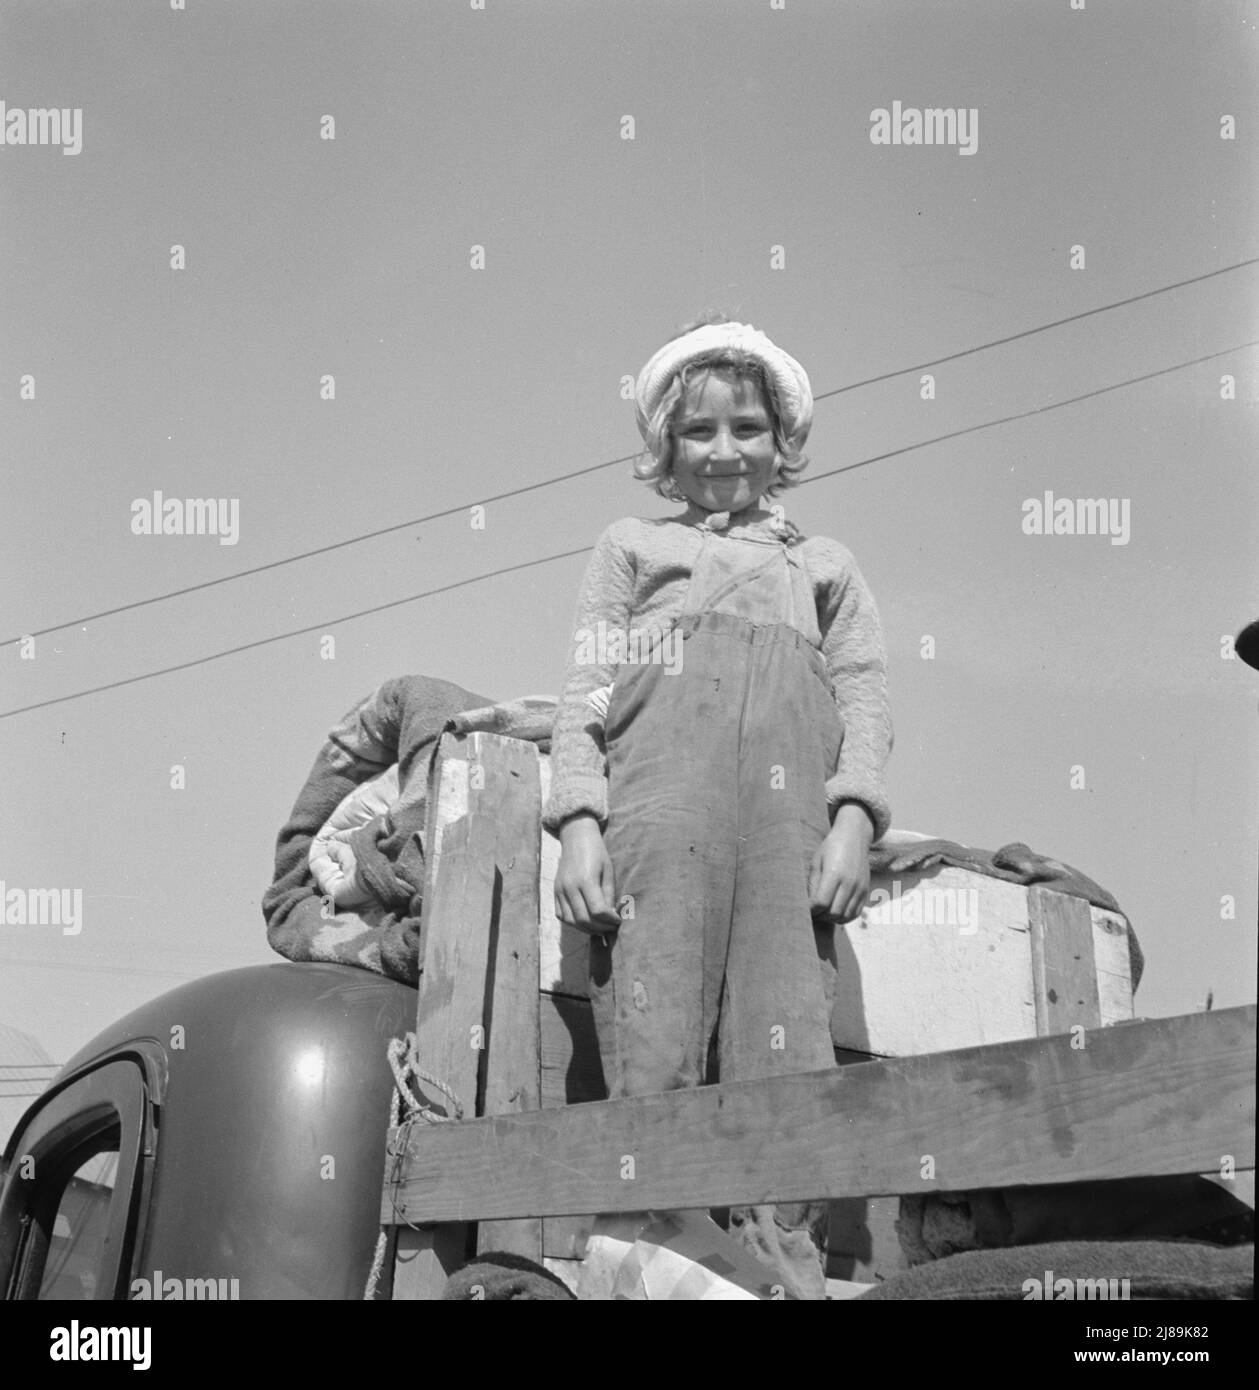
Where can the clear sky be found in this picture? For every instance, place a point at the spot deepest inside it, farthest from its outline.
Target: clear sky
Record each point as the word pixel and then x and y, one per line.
pixel 503 128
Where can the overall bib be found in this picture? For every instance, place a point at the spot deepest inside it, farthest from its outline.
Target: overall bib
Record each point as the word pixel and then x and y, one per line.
pixel 717 804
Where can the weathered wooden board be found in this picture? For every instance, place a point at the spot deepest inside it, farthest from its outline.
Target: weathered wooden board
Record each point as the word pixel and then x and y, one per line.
pixel 1064 976
pixel 449 1029
pixel 458 888
pixel 1114 966
pixel 571 1074
pixel 564 1237
pixel 477 1021
pixel 563 952
pixel 863 1242
pixel 423 1259
pixel 939 960
pixel 1165 1096
pixel 503 773
pixel 571 1070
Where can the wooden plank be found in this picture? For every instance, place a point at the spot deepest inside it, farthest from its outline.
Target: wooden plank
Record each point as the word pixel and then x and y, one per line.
pixel 862 1241
pixel 450 1011
pixel 939 960
pixel 1165 1096
pixel 563 952
pixel 571 1074
pixel 571 1069
pixel 1063 974
pixel 458 889
pixel 564 1237
pixel 423 1260
pixel 864 1245
pixel 1113 966
pixel 507 771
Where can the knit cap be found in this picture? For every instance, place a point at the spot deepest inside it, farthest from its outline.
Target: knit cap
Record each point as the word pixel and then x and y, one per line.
pixel 790 382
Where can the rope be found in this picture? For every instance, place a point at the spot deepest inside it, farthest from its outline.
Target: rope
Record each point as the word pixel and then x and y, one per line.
pixel 406 1069
pixel 405 1064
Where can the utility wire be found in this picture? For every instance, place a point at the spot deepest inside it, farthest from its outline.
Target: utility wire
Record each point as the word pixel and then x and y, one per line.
pixel 1027 414
pixel 1041 328
pixel 93 967
pixel 582 550
pixel 323 549
pixel 609 463
pixel 298 632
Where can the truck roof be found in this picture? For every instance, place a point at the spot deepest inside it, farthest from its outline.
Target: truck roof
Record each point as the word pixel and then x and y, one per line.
pixel 269 1090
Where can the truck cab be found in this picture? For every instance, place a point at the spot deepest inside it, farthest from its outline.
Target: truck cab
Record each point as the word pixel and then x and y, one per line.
pixel 225 1140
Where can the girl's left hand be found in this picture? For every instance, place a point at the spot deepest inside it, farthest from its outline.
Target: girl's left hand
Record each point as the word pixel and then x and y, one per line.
pixel 839 878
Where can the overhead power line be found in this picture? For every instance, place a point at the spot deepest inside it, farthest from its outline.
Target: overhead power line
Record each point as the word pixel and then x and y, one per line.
pixel 298 632
pixel 1035 410
pixel 1040 328
pixel 92 967
pixel 582 550
pixel 322 550
pixel 607 463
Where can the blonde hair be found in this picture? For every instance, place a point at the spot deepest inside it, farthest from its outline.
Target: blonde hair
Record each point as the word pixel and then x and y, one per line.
pixel 654 465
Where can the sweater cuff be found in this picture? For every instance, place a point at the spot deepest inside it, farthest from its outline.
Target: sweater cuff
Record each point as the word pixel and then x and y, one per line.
pixel 874 803
pixel 581 792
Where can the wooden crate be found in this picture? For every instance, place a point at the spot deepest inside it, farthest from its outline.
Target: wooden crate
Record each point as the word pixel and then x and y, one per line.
pixel 951 959
pixel 954 959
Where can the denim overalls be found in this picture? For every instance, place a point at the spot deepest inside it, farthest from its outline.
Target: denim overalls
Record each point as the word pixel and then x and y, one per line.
pixel 717 803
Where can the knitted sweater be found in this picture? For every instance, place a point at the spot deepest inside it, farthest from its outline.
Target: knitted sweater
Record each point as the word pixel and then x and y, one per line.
pixel 638 577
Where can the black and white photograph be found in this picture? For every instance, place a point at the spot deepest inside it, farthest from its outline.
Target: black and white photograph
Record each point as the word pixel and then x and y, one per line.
pixel 629 663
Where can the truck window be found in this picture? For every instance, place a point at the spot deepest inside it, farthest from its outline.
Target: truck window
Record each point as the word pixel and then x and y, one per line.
pixel 76 1248
pixel 73 1199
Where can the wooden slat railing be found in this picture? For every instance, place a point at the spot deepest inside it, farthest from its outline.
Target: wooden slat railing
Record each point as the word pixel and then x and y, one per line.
pixel 1173 1095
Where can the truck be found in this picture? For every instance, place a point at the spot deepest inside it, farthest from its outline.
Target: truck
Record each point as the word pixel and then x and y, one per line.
pixel 223 1140
pixel 295 1130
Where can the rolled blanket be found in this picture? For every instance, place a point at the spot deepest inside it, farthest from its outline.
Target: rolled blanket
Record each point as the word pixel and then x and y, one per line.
pixel 400 722
pixel 1150 1269
pixel 1181 1207
pixel 501 1277
pixel 397 722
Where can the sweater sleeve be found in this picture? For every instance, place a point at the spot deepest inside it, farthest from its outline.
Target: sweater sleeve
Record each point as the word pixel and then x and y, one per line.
pixel 579 778
pixel 856 659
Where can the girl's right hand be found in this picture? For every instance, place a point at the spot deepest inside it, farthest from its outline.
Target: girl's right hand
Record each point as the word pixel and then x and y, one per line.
pixel 585 895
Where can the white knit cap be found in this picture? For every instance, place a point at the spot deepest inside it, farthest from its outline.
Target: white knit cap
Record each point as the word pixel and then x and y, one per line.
pixel 794 396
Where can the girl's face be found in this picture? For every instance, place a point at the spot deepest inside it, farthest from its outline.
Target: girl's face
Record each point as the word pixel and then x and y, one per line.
pixel 723 444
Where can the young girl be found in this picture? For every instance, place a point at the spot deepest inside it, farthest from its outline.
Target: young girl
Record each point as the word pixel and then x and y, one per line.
pixel 717 822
